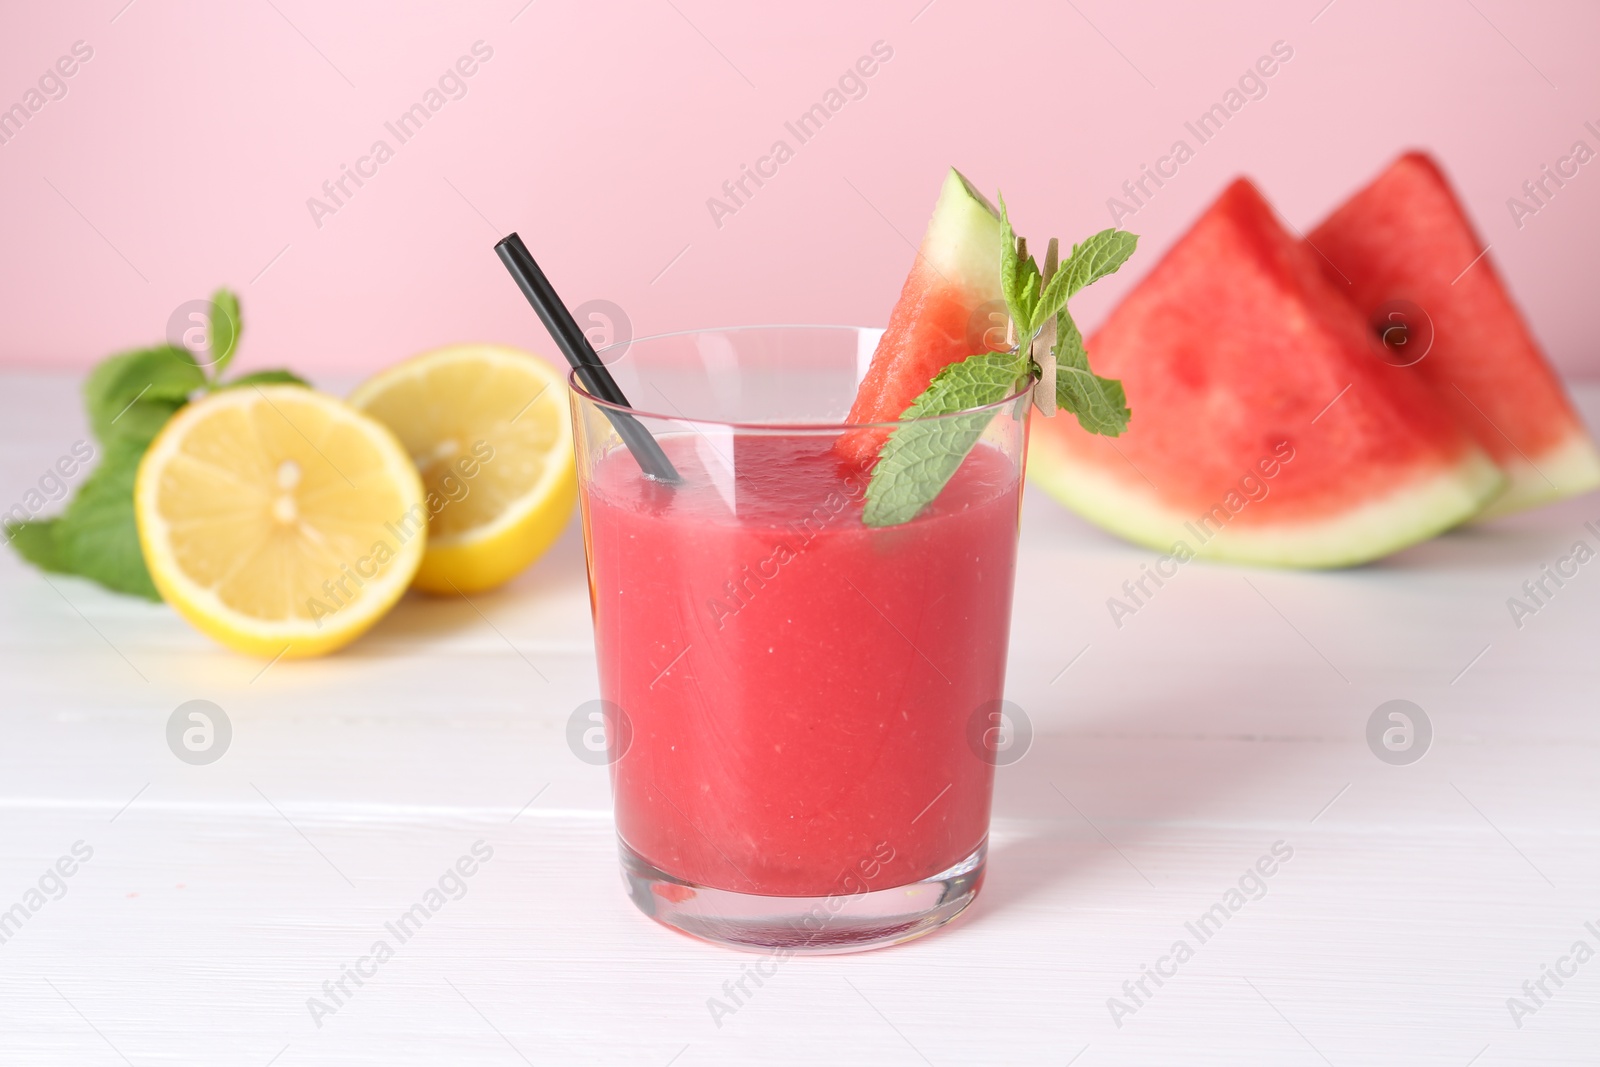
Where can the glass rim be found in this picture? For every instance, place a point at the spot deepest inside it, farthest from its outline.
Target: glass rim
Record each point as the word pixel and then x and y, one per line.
pixel 822 426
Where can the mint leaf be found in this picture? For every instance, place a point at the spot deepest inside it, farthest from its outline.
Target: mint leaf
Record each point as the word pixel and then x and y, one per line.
pixel 225 329
pixel 130 397
pixel 96 536
pixel 1099 403
pixel 985 378
pixel 161 377
pixel 35 541
pixel 1028 298
pixel 1100 255
pixel 1010 265
pixel 1019 278
pixel 141 421
pixel 920 457
pixel 265 377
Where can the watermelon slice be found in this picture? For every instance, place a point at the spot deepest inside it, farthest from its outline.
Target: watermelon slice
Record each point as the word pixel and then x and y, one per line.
pixel 940 317
pixel 1405 237
pixel 1265 428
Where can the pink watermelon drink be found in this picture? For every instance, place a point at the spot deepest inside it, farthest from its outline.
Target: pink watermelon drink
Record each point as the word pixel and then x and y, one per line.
pixel 799 684
pixel 798 687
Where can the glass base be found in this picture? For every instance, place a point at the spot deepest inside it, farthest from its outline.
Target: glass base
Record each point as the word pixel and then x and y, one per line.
pixel 808 926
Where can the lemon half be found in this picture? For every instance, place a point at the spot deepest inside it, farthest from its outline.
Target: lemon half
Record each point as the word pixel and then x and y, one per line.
pixel 489 429
pixel 279 520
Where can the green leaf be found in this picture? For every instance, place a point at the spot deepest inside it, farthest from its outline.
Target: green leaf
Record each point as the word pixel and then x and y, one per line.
pixel 226 325
pixel 1100 255
pixel 985 378
pixel 96 536
pixel 161 377
pixel 141 421
pixel 130 397
pixel 1010 265
pixel 35 541
pixel 265 377
pixel 1099 403
pixel 921 456
pixel 1020 279
pixel 1028 299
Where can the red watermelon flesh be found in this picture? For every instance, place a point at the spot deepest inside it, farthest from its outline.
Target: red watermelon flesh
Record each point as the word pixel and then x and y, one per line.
pixel 1406 237
pixel 941 315
pixel 1265 428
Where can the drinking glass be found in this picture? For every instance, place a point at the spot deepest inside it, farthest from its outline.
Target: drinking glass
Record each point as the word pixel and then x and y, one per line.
pixel 798 706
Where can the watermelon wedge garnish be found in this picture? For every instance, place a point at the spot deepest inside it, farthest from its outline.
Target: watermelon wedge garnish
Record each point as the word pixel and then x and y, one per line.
pixel 1268 431
pixel 941 315
pixel 1405 237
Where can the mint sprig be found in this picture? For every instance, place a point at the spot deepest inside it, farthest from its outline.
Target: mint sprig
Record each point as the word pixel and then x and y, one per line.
pixel 920 457
pixel 1032 300
pixel 129 398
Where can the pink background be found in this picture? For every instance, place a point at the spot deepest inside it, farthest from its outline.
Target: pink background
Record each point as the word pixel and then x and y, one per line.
pixel 184 152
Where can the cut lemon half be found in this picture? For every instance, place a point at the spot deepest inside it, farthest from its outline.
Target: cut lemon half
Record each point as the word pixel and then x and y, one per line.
pixel 279 520
pixel 489 429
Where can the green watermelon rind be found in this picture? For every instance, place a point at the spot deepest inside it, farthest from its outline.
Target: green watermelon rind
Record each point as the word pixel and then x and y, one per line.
pixel 1569 468
pixel 1427 505
pixel 962 241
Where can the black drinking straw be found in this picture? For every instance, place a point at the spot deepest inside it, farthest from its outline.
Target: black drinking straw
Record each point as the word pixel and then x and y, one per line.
pixel 581 354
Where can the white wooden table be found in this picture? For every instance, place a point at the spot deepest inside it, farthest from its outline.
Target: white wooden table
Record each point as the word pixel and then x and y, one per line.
pixel 1228 715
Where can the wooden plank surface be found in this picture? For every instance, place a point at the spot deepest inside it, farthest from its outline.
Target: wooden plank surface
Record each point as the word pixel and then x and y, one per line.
pixel 1171 755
